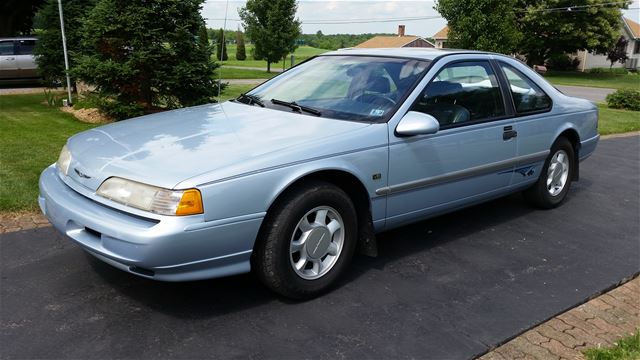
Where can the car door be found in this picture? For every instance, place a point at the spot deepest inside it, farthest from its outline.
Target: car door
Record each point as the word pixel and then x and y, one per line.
pixel 27 67
pixel 469 159
pixel 530 104
pixel 8 62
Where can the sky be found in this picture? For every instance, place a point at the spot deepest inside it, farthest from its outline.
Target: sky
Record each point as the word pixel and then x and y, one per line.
pixel 351 13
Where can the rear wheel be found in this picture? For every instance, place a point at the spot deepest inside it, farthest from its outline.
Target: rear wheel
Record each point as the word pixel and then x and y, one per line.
pixel 555 179
pixel 307 241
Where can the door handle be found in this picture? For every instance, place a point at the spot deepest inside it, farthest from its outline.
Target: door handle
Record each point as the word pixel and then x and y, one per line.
pixel 509 133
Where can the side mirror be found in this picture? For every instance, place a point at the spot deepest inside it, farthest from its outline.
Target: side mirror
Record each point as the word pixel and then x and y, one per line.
pixel 417 123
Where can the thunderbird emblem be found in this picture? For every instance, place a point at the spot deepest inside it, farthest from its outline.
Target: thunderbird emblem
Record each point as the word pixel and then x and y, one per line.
pixel 81 174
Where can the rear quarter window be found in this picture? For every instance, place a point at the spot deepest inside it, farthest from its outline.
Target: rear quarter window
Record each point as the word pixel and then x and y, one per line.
pixel 527 96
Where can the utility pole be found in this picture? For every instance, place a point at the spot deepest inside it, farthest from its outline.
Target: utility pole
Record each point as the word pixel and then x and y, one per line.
pixel 64 49
pixel 224 29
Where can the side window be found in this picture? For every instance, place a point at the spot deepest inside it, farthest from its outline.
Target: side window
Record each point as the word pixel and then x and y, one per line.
pixel 6 48
pixel 26 47
pixel 527 96
pixel 462 92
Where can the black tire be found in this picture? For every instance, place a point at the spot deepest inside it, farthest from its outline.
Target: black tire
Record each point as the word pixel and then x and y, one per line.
pixel 539 194
pixel 271 255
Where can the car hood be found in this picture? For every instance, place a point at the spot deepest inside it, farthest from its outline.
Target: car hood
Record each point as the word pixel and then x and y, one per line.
pixel 167 148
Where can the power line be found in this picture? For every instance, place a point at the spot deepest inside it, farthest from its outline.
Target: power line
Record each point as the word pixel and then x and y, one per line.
pixel 568 9
pixel 352 21
pixel 575 7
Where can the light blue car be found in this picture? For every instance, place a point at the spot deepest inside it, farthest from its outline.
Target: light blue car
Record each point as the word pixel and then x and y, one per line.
pixel 290 178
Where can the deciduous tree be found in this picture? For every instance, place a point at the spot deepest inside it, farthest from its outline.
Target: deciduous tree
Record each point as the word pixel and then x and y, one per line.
pixel 553 27
pixel 16 16
pixel 537 29
pixel 488 25
pixel 272 26
pixel 48 50
pixel 618 53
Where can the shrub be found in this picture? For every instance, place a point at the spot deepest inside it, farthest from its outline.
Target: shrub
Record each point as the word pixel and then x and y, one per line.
pixel 562 62
pixel 119 110
pixel 624 99
pixel 52 98
pixel 617 71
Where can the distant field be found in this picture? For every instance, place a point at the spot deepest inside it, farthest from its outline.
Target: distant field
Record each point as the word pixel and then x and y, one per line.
pixel 302 53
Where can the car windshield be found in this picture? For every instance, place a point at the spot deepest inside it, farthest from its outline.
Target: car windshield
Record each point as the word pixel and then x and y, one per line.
pixel 359 88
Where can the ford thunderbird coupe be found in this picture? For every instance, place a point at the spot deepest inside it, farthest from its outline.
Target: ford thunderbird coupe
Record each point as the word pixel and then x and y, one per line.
pixel 289 179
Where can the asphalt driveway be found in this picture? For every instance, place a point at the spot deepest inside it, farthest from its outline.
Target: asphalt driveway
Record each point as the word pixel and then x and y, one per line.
pixel 597 95
pixel 447 288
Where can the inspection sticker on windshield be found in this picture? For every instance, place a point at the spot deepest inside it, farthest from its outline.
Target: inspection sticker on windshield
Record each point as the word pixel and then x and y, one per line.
pixel 376 112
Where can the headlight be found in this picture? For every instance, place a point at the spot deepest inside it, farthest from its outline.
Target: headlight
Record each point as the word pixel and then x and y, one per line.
pixel 152 198
pixel 64 160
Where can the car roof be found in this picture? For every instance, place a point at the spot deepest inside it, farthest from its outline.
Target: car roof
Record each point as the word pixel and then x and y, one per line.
pixel 19 38
pixel 416 53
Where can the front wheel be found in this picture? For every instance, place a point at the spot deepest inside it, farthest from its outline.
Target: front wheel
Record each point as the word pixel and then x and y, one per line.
pixel 307 240
pixel 555 179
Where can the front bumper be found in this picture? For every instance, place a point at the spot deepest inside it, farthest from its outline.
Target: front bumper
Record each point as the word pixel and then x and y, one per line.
pixel 167 248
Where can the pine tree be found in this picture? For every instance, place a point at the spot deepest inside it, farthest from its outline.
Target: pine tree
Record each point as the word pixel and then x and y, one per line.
pixel 241 52
pixel 221 49
pixel 145 56
pixel 203 38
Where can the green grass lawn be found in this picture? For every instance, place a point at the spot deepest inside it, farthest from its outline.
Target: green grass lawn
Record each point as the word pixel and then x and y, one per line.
pixel 625 349
pixel 231 73
pixel 612 81
pixel 32 136
pixel 302 53
pixel 233 91
pixel 613 121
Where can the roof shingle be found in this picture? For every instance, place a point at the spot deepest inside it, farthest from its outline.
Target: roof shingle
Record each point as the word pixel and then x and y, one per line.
pixel 634 27
pixel 443 34
pixel 387 42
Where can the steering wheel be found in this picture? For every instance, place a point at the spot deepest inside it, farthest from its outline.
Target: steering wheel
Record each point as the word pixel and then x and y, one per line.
pixel 375 99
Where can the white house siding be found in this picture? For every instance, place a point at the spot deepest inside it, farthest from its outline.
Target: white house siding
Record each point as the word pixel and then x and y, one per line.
pixel 593 61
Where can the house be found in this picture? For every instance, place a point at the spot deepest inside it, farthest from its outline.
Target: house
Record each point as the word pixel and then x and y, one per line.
pixel 440 38
pixel 630 30
pixel 399 41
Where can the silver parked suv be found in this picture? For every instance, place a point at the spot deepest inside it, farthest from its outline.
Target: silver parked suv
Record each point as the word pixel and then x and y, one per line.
pixel 16 59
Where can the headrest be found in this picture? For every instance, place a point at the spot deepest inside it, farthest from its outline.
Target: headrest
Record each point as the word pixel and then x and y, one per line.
pixel 442 88
pixel 378 84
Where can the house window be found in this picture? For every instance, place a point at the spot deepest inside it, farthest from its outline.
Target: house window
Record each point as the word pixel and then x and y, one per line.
pixel 636 49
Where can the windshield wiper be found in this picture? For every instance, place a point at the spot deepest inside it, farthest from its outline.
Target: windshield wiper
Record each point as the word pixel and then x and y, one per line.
pixel 253 99
pixel 296 107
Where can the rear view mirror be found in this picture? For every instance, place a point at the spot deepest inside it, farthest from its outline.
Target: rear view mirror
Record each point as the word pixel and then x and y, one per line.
pixel 417 123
